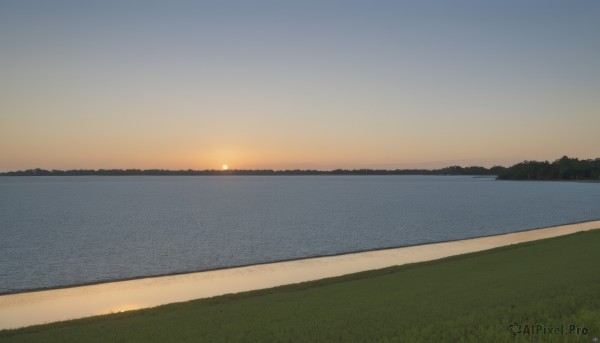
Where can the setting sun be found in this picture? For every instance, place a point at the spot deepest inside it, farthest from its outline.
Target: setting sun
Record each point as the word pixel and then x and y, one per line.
pixel 225 167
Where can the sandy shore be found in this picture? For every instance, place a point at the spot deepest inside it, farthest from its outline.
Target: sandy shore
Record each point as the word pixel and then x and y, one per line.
pixel 17 310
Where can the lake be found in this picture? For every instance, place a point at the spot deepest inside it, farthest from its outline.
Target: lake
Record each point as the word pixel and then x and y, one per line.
pixel 58 231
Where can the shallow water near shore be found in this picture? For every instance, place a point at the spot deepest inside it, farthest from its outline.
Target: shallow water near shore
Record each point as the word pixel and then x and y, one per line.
pixel 60 231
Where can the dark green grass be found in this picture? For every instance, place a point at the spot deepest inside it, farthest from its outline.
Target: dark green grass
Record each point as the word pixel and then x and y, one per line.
pixel 467 298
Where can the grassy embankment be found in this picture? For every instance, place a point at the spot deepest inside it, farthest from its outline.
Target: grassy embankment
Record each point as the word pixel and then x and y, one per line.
pixel 472 298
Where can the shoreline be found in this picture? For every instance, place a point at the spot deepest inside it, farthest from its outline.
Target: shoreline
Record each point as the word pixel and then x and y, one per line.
pixel 133 278
pixel 78 301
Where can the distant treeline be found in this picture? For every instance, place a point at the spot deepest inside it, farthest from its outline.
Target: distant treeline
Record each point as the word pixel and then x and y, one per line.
pixel 564 168
pixel 454 170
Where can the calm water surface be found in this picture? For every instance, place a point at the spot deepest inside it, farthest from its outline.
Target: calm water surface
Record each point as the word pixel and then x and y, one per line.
pixel 69 230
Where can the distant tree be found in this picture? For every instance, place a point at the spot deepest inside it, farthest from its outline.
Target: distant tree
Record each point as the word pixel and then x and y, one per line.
pixel 564 168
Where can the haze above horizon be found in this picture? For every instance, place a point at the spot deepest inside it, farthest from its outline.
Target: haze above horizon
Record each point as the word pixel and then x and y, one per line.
pixel 306 85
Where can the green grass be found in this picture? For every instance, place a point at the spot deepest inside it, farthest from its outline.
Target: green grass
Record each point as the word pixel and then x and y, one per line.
pixel 467 298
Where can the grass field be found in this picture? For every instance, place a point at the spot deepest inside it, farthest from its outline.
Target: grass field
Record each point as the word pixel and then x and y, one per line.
pixel 467 298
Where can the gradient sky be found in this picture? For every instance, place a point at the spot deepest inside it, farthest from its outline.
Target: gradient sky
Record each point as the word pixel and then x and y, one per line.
pixel 303 84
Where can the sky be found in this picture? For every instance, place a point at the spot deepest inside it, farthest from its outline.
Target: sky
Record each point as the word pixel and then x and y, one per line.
pixel 297 84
